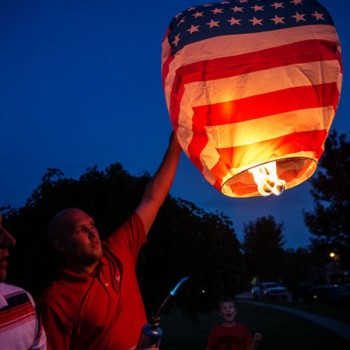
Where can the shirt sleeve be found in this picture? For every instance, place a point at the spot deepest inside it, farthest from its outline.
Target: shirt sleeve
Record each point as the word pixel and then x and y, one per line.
pixel 57 336
pixel 247 337
pixel 40 341
pixel 129 236
pixel 212 339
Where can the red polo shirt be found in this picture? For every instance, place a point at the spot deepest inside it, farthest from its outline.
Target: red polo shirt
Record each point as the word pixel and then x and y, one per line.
pixel 104 311
pixel 236 337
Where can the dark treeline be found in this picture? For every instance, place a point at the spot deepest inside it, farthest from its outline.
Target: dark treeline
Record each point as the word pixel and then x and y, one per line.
pixel 329 223
pixel 184 240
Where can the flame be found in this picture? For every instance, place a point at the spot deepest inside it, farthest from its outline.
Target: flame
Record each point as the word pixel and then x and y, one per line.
pixel 267 180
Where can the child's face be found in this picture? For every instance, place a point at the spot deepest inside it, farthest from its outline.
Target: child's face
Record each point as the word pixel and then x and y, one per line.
pixel 228 311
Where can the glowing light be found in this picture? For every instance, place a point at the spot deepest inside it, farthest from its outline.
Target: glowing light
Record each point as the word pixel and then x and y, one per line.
pixel 267 180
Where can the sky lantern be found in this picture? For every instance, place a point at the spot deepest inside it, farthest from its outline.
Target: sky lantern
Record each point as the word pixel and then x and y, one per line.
pixel 252 88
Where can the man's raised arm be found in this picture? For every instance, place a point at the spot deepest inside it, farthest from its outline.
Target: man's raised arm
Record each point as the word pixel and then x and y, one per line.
pixel 159 186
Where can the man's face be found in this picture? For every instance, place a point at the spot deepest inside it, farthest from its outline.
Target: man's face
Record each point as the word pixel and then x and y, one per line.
pixel 81 242
pixel 6 241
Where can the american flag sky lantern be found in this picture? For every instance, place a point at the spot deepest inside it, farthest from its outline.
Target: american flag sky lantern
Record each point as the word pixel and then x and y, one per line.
pixel 252 88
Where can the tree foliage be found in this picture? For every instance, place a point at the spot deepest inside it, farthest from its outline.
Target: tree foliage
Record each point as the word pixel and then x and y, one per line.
pixel 184 240
pixel 297 266
pixel 330 220
pixel 263 248
pixel 196 244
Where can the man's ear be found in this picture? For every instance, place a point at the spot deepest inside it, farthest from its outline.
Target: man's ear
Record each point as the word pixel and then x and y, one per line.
pixel 59 245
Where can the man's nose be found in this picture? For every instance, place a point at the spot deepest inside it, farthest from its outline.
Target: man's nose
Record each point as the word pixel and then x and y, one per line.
pixel 6 239
pixel 92 233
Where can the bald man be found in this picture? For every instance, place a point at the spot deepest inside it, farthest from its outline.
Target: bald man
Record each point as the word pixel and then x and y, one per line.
pixel 96 303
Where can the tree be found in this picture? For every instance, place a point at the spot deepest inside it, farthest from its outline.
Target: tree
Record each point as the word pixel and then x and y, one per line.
pixel 196 244
pixel 299 265
pixel 263 248
pixel 184 240
pixel 330 221
pixel 109 196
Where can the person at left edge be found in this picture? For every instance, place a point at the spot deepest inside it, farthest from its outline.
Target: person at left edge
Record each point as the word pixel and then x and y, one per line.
pixel 20 325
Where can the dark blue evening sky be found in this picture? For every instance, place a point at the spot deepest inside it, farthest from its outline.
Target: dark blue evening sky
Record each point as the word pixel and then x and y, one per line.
pixel 80 85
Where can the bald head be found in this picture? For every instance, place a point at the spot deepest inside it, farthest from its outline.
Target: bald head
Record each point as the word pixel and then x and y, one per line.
pixel 63 223
pixel 74 235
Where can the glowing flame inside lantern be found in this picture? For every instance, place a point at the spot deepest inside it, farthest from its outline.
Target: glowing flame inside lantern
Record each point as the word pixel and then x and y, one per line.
pixel 267 179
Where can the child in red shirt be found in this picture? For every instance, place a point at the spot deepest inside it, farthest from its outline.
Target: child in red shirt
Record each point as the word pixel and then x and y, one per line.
pixel 230 335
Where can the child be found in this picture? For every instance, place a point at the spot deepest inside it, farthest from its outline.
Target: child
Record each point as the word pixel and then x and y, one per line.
pixel 230 335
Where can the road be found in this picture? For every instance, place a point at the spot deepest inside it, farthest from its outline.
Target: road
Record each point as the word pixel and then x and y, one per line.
pixel 340 328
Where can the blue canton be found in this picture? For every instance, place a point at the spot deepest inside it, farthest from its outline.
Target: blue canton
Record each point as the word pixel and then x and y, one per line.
pixel 243 16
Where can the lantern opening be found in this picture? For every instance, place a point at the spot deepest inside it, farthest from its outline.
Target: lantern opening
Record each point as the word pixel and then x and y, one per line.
pixel 267 180
pixel 293 171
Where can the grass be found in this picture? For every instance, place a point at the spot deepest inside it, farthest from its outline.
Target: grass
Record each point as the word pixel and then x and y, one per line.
pixel 280 330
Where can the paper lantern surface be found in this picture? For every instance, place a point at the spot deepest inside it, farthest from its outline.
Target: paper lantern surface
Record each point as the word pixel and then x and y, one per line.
pixel 249 82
